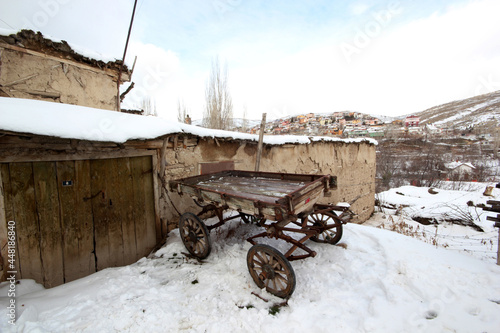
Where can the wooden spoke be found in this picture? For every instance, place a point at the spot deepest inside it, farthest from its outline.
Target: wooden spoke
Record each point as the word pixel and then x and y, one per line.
pixel 328 225
pixel 271 270
pixel 195 235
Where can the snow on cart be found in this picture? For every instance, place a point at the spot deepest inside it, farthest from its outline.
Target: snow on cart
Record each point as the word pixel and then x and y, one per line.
pixel 284 204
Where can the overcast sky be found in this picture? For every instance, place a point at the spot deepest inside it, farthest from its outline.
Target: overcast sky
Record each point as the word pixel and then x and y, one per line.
pixel 287 56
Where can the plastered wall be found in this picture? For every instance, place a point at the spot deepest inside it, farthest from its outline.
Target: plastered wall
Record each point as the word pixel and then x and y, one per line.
pixel 352 163
pixel 24 75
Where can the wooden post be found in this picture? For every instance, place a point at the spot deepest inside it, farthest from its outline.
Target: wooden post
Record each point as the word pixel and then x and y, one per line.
pixel 261 139
pixel 498 247
pixel 495 207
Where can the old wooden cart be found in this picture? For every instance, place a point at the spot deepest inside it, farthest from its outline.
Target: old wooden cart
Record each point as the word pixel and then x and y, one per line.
pixel 282 203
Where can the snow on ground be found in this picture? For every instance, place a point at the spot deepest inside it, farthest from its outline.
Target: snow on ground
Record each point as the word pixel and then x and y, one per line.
pixel 459 201
pixel 376 281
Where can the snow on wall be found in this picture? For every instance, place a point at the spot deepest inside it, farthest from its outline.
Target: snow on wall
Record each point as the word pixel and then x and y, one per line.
pixel 84 123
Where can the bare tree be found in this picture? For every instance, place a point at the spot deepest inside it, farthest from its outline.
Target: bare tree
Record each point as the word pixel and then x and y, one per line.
pixel 426 167
pixel 390 166
pixel 182 111
pixel 244 125
pixel 218 112
pixel 148 106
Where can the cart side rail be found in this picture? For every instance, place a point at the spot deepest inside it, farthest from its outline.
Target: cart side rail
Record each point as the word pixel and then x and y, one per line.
pixel 259 208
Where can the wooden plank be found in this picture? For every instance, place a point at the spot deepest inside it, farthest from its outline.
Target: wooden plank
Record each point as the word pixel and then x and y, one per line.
pixel 78 156
pixel 143 205
pixel 47 206
pixel 159 144
pixel 101 216
pixel 212 167
pixel 495 209
pixel 9 213
pixel 4 264
pixel 161 229
pixel 242 205
pixel 6 215
pixel 123 203
pixel 28 233
pixel 494 219
pixel 308 188
pixel 275 175
pixel 76 219
pixel 307 200
pixel 112 197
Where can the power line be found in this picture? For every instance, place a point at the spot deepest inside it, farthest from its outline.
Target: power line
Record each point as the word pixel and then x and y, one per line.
pixel 7 24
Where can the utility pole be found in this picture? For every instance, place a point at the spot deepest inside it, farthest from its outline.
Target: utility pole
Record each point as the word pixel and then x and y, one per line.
pixel 118 107
pixel 261 139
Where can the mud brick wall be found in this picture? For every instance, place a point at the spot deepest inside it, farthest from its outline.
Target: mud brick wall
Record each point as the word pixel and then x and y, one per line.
pixel 33 76
pixel 353 163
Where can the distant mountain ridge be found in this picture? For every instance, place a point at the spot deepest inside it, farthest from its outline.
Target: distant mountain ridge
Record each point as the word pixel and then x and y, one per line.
pixel 479 111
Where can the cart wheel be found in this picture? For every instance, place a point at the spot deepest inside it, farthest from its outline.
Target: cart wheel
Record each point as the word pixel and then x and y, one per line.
pixel 270 269
pixel 249 218
pixel 194 235
pixel 332 235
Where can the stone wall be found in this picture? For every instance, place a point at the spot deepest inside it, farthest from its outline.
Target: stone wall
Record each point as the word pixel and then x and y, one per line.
pixel 352 163
pixel 26 74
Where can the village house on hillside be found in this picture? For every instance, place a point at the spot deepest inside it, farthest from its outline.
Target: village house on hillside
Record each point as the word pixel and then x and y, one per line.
pixel 412 121
pixel 460 170
pixel 87 186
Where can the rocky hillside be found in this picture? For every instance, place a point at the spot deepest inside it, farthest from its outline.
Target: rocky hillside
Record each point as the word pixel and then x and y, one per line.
pixel 481 111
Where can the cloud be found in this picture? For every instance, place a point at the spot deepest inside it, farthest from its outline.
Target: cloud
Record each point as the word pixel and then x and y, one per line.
pixel 359 8
pixel 407 67
pixel 155 74
pixel 286 57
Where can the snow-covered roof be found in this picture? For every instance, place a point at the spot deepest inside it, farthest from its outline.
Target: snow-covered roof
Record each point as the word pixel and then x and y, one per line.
pixel 84 123
pixel 52 44
pixel 456 164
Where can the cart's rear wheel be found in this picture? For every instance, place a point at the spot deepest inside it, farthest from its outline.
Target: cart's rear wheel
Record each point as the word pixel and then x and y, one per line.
pixel 331 235
pixel 194 235
pixel 270 269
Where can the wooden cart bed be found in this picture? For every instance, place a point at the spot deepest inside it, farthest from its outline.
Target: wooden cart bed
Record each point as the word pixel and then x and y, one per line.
pixel 265 194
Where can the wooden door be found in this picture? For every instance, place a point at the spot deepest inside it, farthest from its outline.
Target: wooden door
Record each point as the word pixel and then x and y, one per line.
pixel 74 218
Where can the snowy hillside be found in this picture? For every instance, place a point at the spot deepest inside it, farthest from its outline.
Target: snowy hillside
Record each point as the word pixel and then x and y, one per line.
pixel 453 218
pixel 374 280
pixel 483 110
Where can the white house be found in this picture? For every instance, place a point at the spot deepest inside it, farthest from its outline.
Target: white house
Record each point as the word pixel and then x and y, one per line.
pixel 460 170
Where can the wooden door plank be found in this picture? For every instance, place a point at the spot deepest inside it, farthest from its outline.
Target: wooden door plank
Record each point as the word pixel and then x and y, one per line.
pixel 124 198
pixel 101 217
pixel 144 211
pixel 76 218
pixel 47 205
pixel 28 233
pixel 114 179
pixel 6 215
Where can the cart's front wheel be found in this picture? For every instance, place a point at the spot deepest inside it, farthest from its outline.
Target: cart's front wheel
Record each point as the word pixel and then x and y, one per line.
pixel 331 235
pixel 194 235
pixel 270 269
